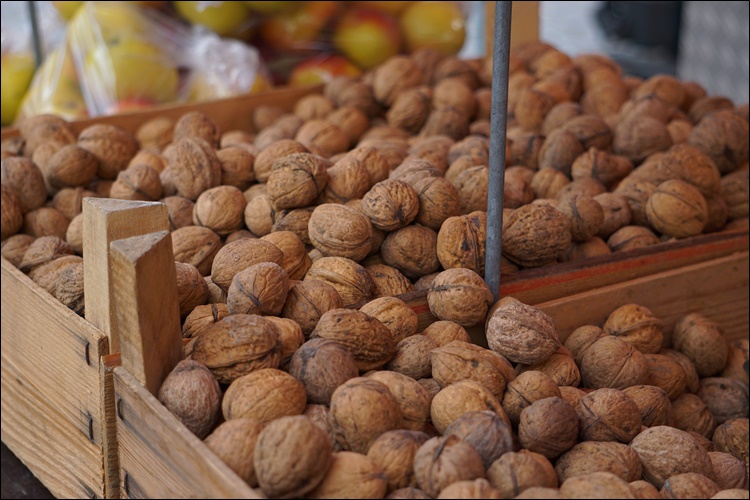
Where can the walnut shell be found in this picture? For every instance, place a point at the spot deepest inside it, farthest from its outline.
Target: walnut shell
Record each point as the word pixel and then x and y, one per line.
pixel 459 398
pixel 71 166
pixel 722 136
pixel 42 129
pixel 703 342
pixel 376 164
pixel 595 485
pixel 521 333
pixel 179 212
pixel 729 471
pixel 601 166
pixel 323 138
pixel 591 130
pixel 361 410
pixel 732 437
pixel 195 124
pixel 677 209
pixel 447 121
pixel 689 164
pixel 631 237
pixel 291 457
pixel 737 359
pixel 111 145
pixel 438 200
pixel 549 427
pixel 535 235
pixel 411 250
pixel 237 345
pixel 296 261
pixel 410 109
pixel 617 213
pixel 236 167
pixel 192 290
pixel 352 475
pixel 735 190
pixel 558 115
pixel 322 365
pixel 396 75
pixel 531 108
pixel 444 332
pixel 454 92
pixel 666 373
pixel 69 201
pixel 692 382
pixel 43 250
pixel 585 213
pixel 264 395
pixel 560 367
pixel 637 326
pixel 349 279
pixel 637 137
pixel 234 442
pixel 524 390
pixel 239 255
pixel 192 394
pixel 220 209
pixel 348 180
pixel 393 452
pixel 307 301
pixel 296 221
pixel 461 242
pixel 388 281
pixel 440 462
pixel 14 248
pixel 606 456
pixel 478 488
pixel 203 317
pixel 413 399
pixel 490 435
pixel 581 339
pixel 459 295
pixel 690 414
pixel 412 357
pixel 457 361
pixel 340 231
pixel 296 181
pixel 608 415
pixel 368 339
pixel 395 315
pixel 26 181
pixel 193 168
pixel 725 397
pixel 43 221
pixel 559 151
pixel 612 362
pixel 258 289
pixel 263 165
pixel 516 472
pixel 197 246
pixel 644 489
pixel 352 121
pixel 653 403
pixel 391 204
pixel 689 485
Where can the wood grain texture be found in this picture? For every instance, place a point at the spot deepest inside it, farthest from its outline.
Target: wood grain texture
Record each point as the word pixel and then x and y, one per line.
pixel 52 417
pixel 104 221
pixel 717 289
pixel 230 113
pixel 159 457
pixel 148 314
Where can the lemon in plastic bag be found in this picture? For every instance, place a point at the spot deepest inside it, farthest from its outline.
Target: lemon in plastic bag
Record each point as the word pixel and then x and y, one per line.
pixel 17 70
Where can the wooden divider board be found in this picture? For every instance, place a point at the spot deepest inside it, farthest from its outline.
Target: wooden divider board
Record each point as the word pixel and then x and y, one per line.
pixel 53 416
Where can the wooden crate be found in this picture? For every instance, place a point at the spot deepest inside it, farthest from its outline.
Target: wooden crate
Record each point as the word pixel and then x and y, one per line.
pixel 57 397
pixel 159 457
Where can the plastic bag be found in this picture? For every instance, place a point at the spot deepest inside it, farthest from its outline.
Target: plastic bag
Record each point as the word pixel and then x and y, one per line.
pixel 127 57
pixel 224 67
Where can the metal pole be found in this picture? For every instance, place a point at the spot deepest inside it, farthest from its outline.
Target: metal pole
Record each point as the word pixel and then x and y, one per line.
pixel 498 124
pixel 35 40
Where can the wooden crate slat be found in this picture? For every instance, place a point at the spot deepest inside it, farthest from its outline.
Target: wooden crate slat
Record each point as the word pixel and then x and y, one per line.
pixel 160 457
pixel 67 463
pixel 717 289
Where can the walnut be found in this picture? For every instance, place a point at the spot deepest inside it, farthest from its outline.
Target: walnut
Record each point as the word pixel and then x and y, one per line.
pixel 393 151
pixel 410 109
pixel 459 295
pixel 456 93
pixel 352 121
pixel 459 398
pixel 43 129
pixel 291 338
pixel 732 437
pixel 195 124
pixel 559 151
pixel 549 427
pixel 595 485
pixel 636 325
pixel 26 181
pixel 112 146
pixel 194 168
pixel 447 121
pixel 689 164
pixel 139 183
pixel 264 395
pixel 236 167
pixel 521 333
pixel 240 138
pixel 722 136
pixel 313 107
pixel 349 279
pixel 585 214
pixel 644 489
pixel 427 60
pixel 258 289
pixel 737 358
pixel 489 434
pixel 591 130
pixel 296 262
pixel 352 475
pixel 237 345
pixel 340 231
pixel 725 397
pixel 677 209
pixel 42 251
pixel 192 394
pixel 453 67
pixel 318 414
pixel 560 367
pixel 653 403
pixel 472 185
pixel 604 99
pixel 393 452
pixel 606 456
pixel 391 204
pixel 387 281
pixel 307 301
pixel 706 105
pixel 516 472
pixel 608 415
pixel 547 182
pixel 535 235
pixel 296 220
pixel 323 138
pixel 614 363
pixel 192 290
pixel 735 190
pixel 581 339
pixel 531 108
pixel 348 180
pixel 525 389
pixel 559 115
pixel 265 160
pixel 12 213
pixel 291 457
pixel 14 248
pixel 155 133
pixel 540 492
pixel 411 250
pixel 234 442
pixel 69 201
pixel 396 75
pixel 322 365
pixel 601 166
pixel 666 373
pixel 394 314
pixel 295 181
pixel 703 342
pixel 367 338
pixel 376 164
pixel 412 357
pixel 729 471
pixel 457 361
pixel 43 221
pixel 197 246
pixel 690 414
pixel 687 485
pixel 631 237
pixel 461 242
pixel 679 131
pixel 203 317
pixel 617 213
pixel 444 332
pixel 440 462
pixel 478 488
pixel 259 215
pixel 718 214
pixel 239 255
pixel 413 399
pixel 362 409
